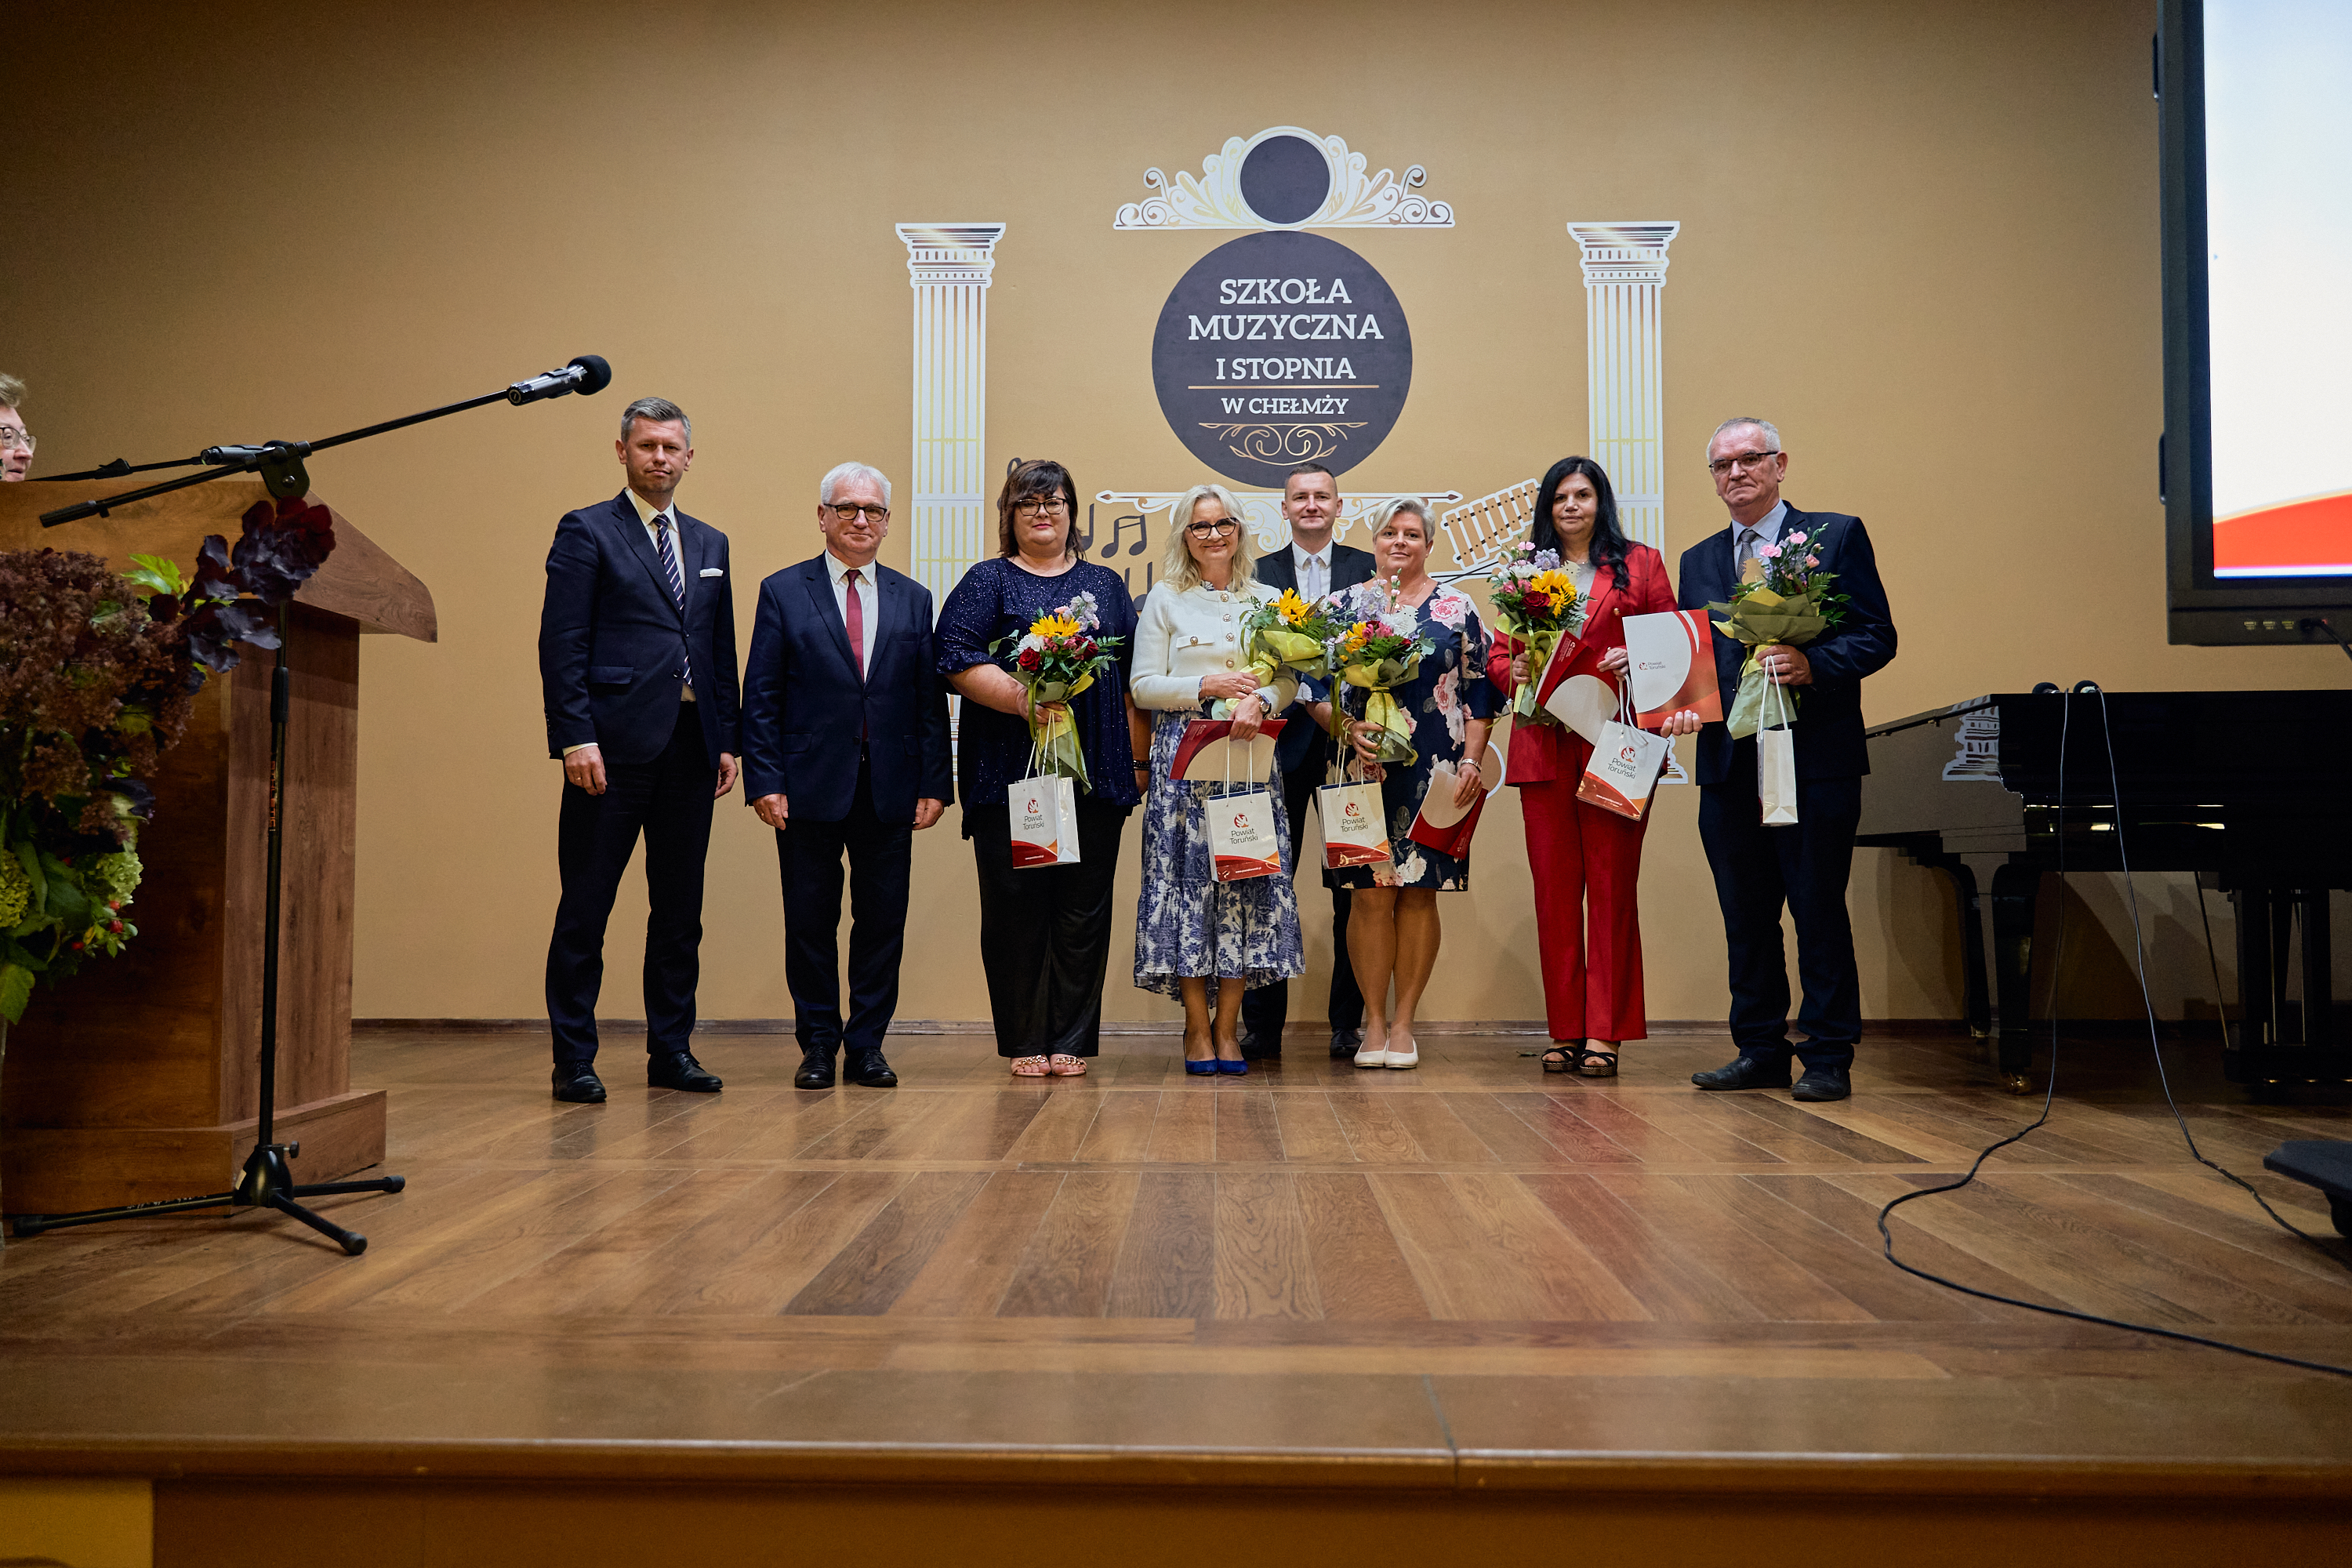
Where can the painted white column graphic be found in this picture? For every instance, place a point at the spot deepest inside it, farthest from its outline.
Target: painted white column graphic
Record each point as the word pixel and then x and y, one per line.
pixel 1624 283
pixel 948 265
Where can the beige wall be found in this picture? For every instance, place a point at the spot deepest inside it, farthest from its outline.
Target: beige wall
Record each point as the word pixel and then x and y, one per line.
pixel 1921 237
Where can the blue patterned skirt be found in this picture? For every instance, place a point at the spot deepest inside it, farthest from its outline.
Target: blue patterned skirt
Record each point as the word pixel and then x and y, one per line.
pixel 1187 923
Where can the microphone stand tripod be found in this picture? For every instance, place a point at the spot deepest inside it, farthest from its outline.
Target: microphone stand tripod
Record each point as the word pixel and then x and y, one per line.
pixel 267 1180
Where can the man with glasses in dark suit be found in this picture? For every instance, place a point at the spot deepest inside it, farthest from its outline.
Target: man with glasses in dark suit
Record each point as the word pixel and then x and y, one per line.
pixel 1315 568
pixel 637 663
pixel 1758 870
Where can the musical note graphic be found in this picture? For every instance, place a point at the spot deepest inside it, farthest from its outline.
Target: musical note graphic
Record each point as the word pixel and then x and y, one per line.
pixel 1118 528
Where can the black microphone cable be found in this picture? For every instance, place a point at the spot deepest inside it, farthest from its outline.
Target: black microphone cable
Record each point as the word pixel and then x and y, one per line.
pixel 1887 1236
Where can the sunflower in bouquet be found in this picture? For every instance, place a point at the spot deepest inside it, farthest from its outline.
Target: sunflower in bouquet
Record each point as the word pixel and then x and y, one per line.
pixel 1784 599
pixel 1285 634
pixel 1058 658
pixel 1375 655
pixel 1534 596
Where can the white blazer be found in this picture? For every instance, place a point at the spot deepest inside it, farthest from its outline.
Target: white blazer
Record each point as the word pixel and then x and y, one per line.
pixel 1179 637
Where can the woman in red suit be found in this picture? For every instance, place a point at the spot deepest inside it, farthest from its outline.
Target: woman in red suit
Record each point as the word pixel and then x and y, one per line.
pixel 1586 860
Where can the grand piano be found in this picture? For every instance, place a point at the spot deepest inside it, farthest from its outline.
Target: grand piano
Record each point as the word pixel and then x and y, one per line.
pixel 2251 790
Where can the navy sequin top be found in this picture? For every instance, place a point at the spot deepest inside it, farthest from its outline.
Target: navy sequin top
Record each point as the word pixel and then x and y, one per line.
pixel 995 602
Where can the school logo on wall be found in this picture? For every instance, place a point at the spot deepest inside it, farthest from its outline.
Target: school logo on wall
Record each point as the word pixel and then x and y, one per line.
pixel 1280 349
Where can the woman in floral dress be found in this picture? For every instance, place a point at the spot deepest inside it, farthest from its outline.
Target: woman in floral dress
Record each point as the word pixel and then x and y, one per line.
pixel 1392 922
pixel 1192 933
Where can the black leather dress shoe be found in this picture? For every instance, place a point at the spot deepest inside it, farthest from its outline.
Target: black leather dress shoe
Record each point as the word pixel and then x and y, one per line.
pixel 1823 1083
pixel 816 1069
pixel 681 1070
pixel 1745 1072
pixel 868 1070
pixel 1345 1043
pixel 579 1086
pixel 1254 1048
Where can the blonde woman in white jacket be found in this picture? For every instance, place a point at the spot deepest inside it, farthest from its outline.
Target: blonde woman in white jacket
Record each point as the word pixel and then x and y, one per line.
pixel 1191 930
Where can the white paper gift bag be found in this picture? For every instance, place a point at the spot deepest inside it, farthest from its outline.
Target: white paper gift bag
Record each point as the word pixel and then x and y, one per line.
pixel 1355 830
pixel 1045 811
pixel 1624 766
pixel 1241 835
pixel 1776 761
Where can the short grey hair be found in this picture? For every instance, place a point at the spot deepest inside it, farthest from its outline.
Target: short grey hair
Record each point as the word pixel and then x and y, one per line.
pixel 12 392
pixel 833 481
pixel 1772 432
pixel 661 411
pixel 1391 509
pixel 1178 570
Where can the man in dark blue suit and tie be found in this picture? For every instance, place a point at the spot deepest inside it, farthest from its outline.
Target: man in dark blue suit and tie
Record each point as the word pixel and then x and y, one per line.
pixel 845 749
pixel 636 666
pixel 1757 869
pixel 1315 567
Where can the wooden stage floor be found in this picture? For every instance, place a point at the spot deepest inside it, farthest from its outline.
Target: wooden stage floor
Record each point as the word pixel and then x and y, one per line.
pixel 1465 1278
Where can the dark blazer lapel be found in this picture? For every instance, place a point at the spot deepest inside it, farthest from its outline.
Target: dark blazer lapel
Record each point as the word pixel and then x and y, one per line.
pixel 1277 570
pixel 632 533
pixel 817 578
pixel 889 610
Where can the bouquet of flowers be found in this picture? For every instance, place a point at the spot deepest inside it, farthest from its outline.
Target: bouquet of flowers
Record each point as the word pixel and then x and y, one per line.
pixel 1533 596
pixel 1285 633
pixel 99 674
pixel 1784 598
pixel 1057 658
pixel 1374 655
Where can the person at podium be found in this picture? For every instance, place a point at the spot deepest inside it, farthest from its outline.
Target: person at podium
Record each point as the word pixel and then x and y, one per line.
pixel 845 751
pixel 1802 867
pixel 636 665
pixel 15 441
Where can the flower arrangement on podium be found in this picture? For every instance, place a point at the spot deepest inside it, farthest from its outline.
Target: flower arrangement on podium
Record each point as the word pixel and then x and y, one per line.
pixel 1058 658
pixel 1288 634
pixel 99 673
pixel 1783 599
pixel 1375 655
pixel 1533 596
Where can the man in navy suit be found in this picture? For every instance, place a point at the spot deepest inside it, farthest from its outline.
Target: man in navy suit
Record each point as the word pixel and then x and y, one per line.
pixel 1317 568
pixel 845 749
pixel 637 663
pixel 1757 869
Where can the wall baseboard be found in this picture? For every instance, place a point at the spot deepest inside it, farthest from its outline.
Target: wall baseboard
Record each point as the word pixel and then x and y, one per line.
pixel 1660 1029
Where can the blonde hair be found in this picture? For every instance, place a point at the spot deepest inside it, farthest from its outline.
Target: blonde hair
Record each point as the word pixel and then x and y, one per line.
pixel 1177 567
pixel 1389 510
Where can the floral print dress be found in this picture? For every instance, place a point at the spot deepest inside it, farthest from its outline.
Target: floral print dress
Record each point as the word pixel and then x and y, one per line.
pixel 1445 694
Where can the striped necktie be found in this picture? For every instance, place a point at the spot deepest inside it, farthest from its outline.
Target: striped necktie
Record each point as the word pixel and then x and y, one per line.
pixel 677 585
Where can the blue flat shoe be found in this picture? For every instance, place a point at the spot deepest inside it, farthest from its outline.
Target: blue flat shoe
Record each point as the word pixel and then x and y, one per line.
pixel 1202 1068
pixel 1234 1069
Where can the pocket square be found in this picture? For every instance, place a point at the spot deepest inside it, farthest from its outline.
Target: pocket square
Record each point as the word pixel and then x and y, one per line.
pixel 713 572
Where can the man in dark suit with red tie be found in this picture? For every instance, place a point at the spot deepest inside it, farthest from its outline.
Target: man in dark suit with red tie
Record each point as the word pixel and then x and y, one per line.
pixel 845 750
pixel 1803 867
pixel 636 666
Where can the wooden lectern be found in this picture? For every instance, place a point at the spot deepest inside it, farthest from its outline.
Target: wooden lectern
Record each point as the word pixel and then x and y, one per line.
pixel 135 1080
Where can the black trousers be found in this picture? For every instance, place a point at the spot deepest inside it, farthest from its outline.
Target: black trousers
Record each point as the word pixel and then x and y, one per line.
pixel 881 859
pixel 1759 870
pixel 1266 1010
pixel 669 801
pixel 1044 933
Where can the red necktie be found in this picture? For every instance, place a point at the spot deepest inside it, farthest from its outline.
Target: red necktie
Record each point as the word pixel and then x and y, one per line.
pixel 855 610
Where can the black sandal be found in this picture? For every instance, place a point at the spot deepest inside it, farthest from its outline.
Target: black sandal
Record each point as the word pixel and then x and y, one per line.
pixel 1596 1064
pixel 1563 1056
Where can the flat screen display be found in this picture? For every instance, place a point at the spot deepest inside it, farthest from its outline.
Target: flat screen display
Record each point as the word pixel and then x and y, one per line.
pixel 2278 240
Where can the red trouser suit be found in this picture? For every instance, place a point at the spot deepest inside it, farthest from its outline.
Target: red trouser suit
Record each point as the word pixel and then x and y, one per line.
pixel 1586 861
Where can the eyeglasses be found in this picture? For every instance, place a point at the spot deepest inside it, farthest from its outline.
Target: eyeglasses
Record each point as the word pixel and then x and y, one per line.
pixel 1739 460
pixel 10 435
pixel 1213 529
pixel 851 514
pixel 1054 507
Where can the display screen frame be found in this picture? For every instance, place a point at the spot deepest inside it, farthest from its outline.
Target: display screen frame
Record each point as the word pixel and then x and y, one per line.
pixel 2200 608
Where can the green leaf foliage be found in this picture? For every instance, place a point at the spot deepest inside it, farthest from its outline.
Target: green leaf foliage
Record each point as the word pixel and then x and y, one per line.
pixel 16 991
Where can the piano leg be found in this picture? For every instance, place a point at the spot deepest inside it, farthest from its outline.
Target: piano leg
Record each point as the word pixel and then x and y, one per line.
pixel 2319 992
pixel 2014 888
pixel 1975 998
pixel 2257 996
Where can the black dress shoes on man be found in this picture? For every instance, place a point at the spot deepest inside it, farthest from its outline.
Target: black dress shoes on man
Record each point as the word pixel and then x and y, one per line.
pixel 1345 1043
pixel 1257 1049
pixel 681 1070
pixel 1745 1072
pixel 816 1067
pixel 1823 1083
pixel 867 1068
pixel 579 1086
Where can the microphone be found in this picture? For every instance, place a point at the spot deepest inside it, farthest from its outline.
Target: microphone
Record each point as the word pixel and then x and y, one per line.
pixel 586 374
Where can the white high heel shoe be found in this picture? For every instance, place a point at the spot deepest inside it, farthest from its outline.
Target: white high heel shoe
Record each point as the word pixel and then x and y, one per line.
pixel 1408 1057
pixel 1369 1055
